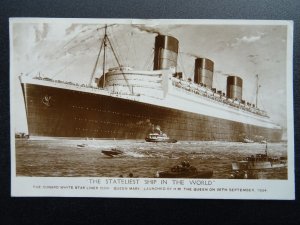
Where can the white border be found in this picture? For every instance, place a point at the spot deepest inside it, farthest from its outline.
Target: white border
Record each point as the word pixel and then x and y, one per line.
pixel 235 189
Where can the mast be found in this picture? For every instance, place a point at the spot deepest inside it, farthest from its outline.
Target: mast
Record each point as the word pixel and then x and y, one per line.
pixel 104 51
pixel 257 87
pixel 104 44
pixel 95 66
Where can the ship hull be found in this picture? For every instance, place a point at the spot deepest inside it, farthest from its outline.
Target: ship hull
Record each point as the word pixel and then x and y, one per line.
pixel 257 165
pixel 197 174
pixel 58 112
pixel 169 140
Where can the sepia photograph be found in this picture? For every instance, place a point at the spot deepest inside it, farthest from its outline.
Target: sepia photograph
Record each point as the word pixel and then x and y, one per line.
pixel 152 108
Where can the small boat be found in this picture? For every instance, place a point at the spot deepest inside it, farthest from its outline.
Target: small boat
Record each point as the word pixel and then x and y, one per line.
pixel 243 174
pixel 159 137
pixel 184 170
pixel 81 145
pixel 112 152
pixel 259 162
pixel 248 140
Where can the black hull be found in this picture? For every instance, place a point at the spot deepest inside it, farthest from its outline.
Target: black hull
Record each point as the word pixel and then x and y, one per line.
pixel 198 174
pixel 258 165
pixel 57 112
pixel 161 141
pixel 112 153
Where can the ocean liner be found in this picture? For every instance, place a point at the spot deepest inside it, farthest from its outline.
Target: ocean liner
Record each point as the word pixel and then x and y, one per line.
pixel 127 104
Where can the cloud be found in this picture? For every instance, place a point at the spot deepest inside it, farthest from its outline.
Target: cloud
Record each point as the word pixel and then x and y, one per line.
pixel 252 56
pixel 249 39
pixel 246 40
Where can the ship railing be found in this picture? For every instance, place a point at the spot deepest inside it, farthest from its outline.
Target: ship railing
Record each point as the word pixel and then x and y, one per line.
pixel 85 86
pixel 131 96
pixel 209 95
pixel 69 83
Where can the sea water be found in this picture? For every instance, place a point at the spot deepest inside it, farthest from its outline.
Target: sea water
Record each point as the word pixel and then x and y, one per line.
pixel 64 158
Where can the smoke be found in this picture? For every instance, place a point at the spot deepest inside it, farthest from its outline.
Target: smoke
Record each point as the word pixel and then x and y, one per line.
pixel 143 28
pixel 41 32
pixel 220 72
pixel 192 55
pixel 157 128
pixel 150 125
pixel 146 122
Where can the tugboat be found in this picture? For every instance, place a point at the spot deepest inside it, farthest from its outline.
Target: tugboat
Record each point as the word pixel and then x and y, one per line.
pixel 184 170
pixel 247 140
pixel 159 137
pixel 260 161
pixel 113 152
pixel 243 174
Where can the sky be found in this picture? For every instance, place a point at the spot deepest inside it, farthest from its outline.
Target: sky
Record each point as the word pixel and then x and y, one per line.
pixel 67 50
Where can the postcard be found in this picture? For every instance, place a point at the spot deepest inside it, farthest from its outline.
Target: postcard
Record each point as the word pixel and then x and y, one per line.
pixel 198 109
